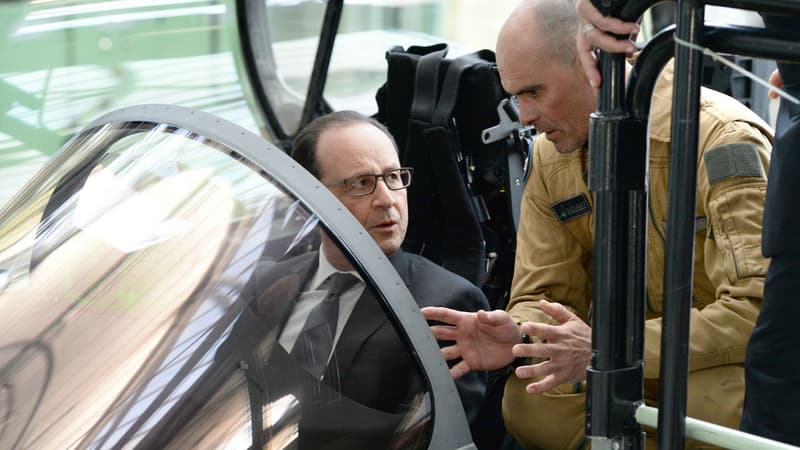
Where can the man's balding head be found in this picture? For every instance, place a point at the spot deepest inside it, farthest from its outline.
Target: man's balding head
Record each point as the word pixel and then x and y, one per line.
pixel 553 23
pixel 537 60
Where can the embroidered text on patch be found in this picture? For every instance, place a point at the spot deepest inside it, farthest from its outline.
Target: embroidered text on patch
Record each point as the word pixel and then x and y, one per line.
pixel 571 208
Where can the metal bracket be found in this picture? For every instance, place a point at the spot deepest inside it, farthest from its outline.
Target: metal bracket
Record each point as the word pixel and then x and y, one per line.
pixel 509 123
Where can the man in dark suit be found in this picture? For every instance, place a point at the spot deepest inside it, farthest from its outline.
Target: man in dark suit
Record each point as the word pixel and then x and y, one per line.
pixel 370 363
pixel 370 382
pixel 371 386
pixel 369 391
pixel 772 365
pixel 357 158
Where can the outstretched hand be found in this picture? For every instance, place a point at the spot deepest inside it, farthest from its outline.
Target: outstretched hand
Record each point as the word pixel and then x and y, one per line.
pixel 598 31
pixel 567 347
pixel 483 340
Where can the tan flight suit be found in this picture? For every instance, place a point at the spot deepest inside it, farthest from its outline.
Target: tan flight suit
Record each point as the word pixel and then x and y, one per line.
pixel 554 257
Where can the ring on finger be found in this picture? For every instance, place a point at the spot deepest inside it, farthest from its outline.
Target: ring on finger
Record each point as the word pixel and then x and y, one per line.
pixel 587 28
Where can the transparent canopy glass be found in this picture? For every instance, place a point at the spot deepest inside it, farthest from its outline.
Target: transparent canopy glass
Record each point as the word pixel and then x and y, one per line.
pixel 146 278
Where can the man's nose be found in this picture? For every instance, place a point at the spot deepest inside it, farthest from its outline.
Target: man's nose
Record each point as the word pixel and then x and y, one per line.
pixel 383 196
pixel 528 112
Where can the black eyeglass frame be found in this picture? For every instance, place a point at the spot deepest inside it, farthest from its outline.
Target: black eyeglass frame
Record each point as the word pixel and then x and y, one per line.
pixel 349 189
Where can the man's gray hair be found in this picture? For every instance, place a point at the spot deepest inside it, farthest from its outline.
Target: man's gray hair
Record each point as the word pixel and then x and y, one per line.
pixel 557 21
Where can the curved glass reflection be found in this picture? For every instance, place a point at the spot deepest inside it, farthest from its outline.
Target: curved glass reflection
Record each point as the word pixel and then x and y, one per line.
pixel 147 277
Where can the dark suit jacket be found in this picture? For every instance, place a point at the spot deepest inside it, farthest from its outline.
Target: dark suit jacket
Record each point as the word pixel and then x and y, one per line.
pixel 370 363
pixel 371 384
pixel 432 285
pixel 370 366
pixel 772 364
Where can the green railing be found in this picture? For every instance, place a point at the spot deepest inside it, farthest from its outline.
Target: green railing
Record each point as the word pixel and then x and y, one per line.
pixel 714 434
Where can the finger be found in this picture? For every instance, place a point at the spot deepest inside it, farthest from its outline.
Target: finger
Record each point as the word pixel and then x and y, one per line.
pixel 615 26
pixel 588 61
pixel 609 43
pixel 542 331
pixel 440 314
pixel 531 350
pixel 590 14
pixel 557 311
pixel 522 350
pixel 451 352
pixel 538 370
pixel 459 370
pixel 444 332
pixel 545 384
pixel 544 380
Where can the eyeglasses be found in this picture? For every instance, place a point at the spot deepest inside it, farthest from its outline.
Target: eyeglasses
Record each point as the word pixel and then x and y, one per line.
pixel 361 185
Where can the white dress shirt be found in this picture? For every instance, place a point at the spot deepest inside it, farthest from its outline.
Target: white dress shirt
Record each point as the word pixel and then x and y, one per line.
pixel 312 295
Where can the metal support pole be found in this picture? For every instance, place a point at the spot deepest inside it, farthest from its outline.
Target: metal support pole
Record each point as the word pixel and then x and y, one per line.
pixel 616 197
pixel 679 264
pixel 615 374
pixel 617 176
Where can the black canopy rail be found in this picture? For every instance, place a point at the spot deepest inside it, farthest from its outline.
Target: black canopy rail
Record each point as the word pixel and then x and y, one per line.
pixel 618 177
pixel 315 104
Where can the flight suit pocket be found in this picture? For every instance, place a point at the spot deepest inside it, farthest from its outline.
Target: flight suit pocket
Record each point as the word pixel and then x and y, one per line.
pixel 736 215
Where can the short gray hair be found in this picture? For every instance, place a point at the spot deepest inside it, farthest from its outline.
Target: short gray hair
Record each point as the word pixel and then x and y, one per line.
pixel 557 21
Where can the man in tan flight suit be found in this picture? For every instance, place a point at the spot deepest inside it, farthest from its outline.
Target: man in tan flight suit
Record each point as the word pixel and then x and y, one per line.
pixel 544 402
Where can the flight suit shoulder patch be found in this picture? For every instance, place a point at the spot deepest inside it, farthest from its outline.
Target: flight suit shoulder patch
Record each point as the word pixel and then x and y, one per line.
pixel 571 208
pixel 732 160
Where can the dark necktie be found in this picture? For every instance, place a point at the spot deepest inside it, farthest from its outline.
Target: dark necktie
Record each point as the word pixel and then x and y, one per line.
pixel 315 341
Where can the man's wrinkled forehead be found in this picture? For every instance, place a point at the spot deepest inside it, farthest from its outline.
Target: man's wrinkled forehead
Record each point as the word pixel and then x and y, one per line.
pixel 519 62
pixel 344 151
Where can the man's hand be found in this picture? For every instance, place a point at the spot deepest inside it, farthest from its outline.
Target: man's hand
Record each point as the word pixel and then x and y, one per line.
pixel 568 347
pixel 597 31
pixel 483 340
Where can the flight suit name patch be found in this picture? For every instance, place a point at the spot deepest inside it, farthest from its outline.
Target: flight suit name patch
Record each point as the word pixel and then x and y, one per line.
pixel 570 208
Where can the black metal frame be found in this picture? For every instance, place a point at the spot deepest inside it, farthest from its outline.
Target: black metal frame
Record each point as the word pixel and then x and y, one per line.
pixel 259 62
pixel 618 176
